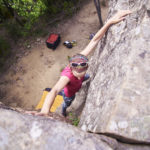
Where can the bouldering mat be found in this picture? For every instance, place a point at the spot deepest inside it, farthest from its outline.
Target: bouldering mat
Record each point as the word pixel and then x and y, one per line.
pixel 57 102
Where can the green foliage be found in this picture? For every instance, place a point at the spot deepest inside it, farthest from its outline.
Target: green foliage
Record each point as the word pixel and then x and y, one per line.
pixel 4 13
pixel 103 2
pixel 68 57
pixel 54 7
pixel 24 14
pixel 29 9
pixel 4 51
pixel 40 32
pixel 15 30
pixel 68 7
pixel 61 69
pixel 74 119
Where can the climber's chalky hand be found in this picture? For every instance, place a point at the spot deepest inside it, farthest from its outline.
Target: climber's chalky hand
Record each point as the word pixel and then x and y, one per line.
pixel 36 113
pixel 119 16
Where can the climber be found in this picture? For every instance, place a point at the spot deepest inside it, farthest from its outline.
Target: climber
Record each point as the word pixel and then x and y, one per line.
pixel 75 72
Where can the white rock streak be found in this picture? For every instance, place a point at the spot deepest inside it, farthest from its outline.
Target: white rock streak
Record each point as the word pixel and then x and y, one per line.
pixel 35 131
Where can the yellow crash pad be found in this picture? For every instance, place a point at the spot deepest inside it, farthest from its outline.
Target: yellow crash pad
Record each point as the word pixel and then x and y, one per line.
pixel 57 102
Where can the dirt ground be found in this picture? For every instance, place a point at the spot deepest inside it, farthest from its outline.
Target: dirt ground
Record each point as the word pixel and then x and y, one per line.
pixel 40 67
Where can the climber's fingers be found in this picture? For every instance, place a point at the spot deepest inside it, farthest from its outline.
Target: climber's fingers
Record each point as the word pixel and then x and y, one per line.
pixel 35 113
pixel 122 13
pixel 119 16
pixel 40 114
pixel 31 112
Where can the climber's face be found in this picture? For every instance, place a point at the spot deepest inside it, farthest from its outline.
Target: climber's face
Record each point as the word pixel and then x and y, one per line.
pixel 78 74
pixel 79 65
pixel 79 68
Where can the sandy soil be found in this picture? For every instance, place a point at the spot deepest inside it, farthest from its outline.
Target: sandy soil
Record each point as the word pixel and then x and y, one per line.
pixel 40 67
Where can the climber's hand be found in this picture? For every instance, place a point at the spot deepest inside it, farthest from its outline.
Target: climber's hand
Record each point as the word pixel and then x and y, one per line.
pixel 119 16
pixel 36 113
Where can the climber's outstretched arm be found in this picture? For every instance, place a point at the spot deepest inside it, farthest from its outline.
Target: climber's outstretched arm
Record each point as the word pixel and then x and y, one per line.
pixel 61 83
pixel 119 16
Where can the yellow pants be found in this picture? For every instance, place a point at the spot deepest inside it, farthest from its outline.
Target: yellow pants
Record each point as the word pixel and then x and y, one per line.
pixel 57 102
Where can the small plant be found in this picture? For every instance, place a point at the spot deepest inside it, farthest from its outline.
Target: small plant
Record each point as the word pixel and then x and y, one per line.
pixel 68 8
pixel 38 32
pixel 26 43
pixel 68 57
pixel 74 119
pixel 103 3
pixel 61 69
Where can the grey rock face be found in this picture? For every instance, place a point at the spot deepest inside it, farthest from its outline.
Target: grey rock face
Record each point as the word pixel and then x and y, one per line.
pixel 118 98
pixel 24 132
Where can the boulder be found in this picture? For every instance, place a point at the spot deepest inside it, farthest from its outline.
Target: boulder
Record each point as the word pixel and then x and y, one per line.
pixel 19 131
pixel 118 97
pixel 26 132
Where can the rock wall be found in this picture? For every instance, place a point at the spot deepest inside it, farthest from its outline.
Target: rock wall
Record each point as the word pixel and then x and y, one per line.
pixel 20 131
pixel 24 132
pixel 118 98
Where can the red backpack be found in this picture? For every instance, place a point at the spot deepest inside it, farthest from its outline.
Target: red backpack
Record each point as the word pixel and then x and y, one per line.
pixel 53 41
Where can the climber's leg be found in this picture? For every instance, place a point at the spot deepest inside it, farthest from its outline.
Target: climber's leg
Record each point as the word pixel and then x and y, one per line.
pixel 67 102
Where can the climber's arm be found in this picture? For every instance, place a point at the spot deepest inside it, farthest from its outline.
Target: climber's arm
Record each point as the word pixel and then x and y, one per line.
pixel 62 82
pixel 51 96
pixel 93 43
pixel 115 19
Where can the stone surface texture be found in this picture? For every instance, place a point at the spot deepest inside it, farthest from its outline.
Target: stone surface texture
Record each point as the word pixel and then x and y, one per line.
pixel 26 132
pixel 20 131
pixel 118 97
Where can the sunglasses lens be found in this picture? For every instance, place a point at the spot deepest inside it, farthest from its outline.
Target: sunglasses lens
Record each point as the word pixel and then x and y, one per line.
pixel 83 64
pixel 80 64
pixel 74 64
